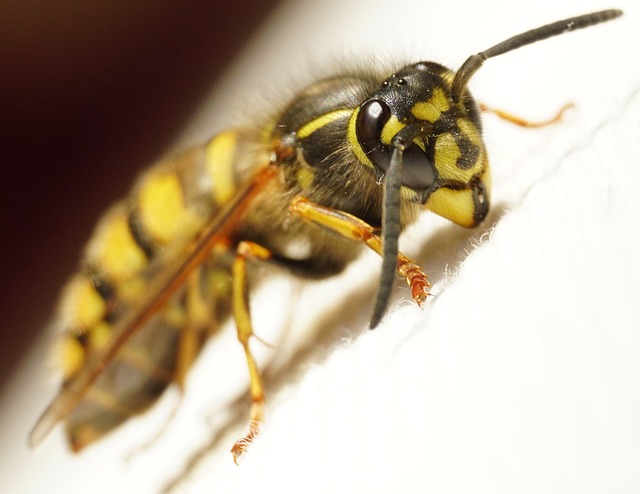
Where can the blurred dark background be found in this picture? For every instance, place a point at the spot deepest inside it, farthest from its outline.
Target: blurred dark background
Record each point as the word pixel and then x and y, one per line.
pixel 90 93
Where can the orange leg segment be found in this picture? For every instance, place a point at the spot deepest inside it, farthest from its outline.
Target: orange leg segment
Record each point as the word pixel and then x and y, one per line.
pixel 354 228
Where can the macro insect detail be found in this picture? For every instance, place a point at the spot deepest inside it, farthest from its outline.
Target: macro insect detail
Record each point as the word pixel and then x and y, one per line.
pixel 349 162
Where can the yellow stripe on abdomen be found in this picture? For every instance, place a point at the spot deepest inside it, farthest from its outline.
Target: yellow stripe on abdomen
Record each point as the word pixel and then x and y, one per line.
pixel 114 249
pixel 82 305
pixel 162 209
pixel 219 162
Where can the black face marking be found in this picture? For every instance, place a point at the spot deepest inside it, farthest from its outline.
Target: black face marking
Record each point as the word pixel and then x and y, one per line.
pixel 480 200
pixel 468 152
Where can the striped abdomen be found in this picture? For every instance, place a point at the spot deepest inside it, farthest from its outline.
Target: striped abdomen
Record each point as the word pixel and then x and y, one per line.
pixel 135 240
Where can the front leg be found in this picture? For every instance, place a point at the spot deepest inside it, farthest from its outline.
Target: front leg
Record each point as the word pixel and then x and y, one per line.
pixel 354 228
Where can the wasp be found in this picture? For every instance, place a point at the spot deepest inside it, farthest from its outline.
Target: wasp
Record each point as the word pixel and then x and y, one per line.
pixel 350 162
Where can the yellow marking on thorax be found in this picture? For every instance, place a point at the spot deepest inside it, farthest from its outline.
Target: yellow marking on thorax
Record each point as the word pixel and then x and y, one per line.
pixel 163 213
pixel 304 176
pixel 115 249
pixel 219 161
pixel 431 110
pixel 391 128
pixel 317 123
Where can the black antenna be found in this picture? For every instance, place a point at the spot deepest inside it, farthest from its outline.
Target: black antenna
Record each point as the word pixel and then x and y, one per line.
pixel 391 218
pixel 474 62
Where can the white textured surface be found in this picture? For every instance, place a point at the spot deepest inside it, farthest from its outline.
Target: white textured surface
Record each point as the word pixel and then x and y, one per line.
pixel 521 375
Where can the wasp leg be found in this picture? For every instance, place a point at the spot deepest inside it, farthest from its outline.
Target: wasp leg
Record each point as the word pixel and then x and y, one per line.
pixel 191 339
pixel 514 119
pixel 242 317
pixel 355 229
pixel 192 335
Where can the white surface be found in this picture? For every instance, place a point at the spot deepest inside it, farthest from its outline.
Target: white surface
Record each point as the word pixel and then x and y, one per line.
pixel 521 375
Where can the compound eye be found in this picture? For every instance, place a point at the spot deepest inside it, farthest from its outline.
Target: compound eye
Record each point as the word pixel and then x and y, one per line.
pixel 372 117
pixel 418 172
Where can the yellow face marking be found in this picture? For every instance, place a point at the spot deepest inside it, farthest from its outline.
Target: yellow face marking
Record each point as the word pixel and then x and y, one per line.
pixel 455 205
pixel 352 139
pixel 470 131
pixel 447 77
pixel 219 156
pixel 115 249
pixel 319 122
pixel 431 110
pixel 163 213
pixel 390 129
pixel 446 157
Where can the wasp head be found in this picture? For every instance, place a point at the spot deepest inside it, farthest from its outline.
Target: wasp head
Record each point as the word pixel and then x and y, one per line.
pixel 444 162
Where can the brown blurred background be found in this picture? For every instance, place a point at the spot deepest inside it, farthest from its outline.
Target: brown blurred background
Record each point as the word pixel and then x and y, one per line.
pixel 90 93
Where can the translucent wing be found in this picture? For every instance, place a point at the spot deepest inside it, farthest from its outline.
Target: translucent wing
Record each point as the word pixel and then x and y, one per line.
pixel 162 286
